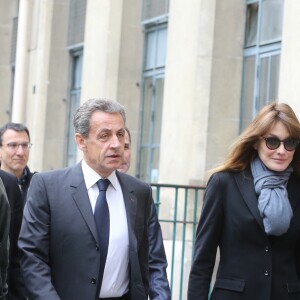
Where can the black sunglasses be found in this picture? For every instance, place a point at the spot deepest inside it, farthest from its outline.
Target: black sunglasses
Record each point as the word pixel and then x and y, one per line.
pixel 289 144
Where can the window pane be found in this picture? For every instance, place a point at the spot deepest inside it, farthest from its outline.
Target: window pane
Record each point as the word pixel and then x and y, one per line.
pixel 159 88
pixel 77 71
pixel 248 91
pixel 251 25
pixel 75 92
pixel 150 50
pixel 271 24
pixel 274 78
pixel 154 168
pixel 269 76
pixel 263 80
pixel 156 43
pixel 161 47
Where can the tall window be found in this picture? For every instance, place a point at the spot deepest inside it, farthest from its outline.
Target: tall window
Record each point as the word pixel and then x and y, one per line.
pixel 74 104
pixel 152 101
pixel 261 56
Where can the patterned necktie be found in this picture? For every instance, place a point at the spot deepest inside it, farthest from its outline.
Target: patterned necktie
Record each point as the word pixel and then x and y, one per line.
pixel 101 215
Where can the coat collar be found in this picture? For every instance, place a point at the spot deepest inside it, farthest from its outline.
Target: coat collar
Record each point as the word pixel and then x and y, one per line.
pixel 245 184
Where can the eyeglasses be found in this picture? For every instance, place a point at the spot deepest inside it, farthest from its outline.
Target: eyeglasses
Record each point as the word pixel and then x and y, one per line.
pixel 289 144
pixel 15 146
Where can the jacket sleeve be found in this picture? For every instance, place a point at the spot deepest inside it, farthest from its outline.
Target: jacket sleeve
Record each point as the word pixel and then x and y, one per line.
pixel 34 242
pixel 158 282
pixel 4 242
pixel 207 240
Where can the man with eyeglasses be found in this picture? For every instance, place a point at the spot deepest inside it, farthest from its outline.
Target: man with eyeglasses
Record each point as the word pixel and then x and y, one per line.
pixel 16 176
pixel 14 154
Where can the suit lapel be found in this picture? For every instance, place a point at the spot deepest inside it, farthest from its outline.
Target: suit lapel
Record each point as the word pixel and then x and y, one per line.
pixel 130 201
pixel 81 198
pixel 244 182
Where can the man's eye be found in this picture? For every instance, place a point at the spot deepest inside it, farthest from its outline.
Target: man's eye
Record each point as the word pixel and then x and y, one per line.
pixel 103 136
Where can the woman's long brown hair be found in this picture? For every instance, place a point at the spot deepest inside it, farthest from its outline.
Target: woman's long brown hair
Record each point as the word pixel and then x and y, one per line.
pixel 242 151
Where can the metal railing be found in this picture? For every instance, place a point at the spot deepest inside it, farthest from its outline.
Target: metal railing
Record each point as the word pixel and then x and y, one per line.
pixel 178 208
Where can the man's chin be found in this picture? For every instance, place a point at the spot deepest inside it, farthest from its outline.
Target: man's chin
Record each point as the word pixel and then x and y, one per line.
pixel 114 166
pixel 19 168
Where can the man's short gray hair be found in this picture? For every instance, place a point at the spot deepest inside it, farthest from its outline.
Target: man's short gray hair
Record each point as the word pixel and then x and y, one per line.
pixel 81 120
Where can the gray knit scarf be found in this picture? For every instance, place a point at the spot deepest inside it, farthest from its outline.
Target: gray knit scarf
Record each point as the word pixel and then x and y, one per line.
pixel 273 203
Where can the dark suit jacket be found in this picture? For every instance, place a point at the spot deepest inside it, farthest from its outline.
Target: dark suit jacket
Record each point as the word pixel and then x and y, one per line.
pixel 159 288
pixel 253 266
pixel 16 289
pixel 4 237
pixel 59 242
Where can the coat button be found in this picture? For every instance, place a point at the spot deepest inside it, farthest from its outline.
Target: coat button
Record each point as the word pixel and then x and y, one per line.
pixel 266 272
pixel 93 280
pixel 267 249
pixel 97 248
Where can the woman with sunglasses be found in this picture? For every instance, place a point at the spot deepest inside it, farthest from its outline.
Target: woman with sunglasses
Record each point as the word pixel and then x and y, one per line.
pixel 251 211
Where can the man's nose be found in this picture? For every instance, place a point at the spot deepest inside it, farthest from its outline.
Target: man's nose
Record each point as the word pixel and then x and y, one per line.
pixel 20 149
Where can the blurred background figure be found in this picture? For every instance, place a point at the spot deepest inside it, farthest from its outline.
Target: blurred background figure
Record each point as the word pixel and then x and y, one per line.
pixel 14 154
pixel 127 152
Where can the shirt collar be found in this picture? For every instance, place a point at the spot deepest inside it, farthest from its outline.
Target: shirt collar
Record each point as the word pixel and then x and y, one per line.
pixel 91 176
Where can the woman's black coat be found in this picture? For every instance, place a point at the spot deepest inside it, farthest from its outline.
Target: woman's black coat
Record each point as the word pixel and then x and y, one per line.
pixel 253 266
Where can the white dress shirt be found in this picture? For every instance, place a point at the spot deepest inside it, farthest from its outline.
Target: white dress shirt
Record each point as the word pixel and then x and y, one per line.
pixel 116 273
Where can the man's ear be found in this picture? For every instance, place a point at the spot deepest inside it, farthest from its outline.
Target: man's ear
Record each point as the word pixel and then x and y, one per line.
pixel 80 141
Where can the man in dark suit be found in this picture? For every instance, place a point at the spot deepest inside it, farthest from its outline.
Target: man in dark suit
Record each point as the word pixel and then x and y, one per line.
pixel 61 252
pixel 16 289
